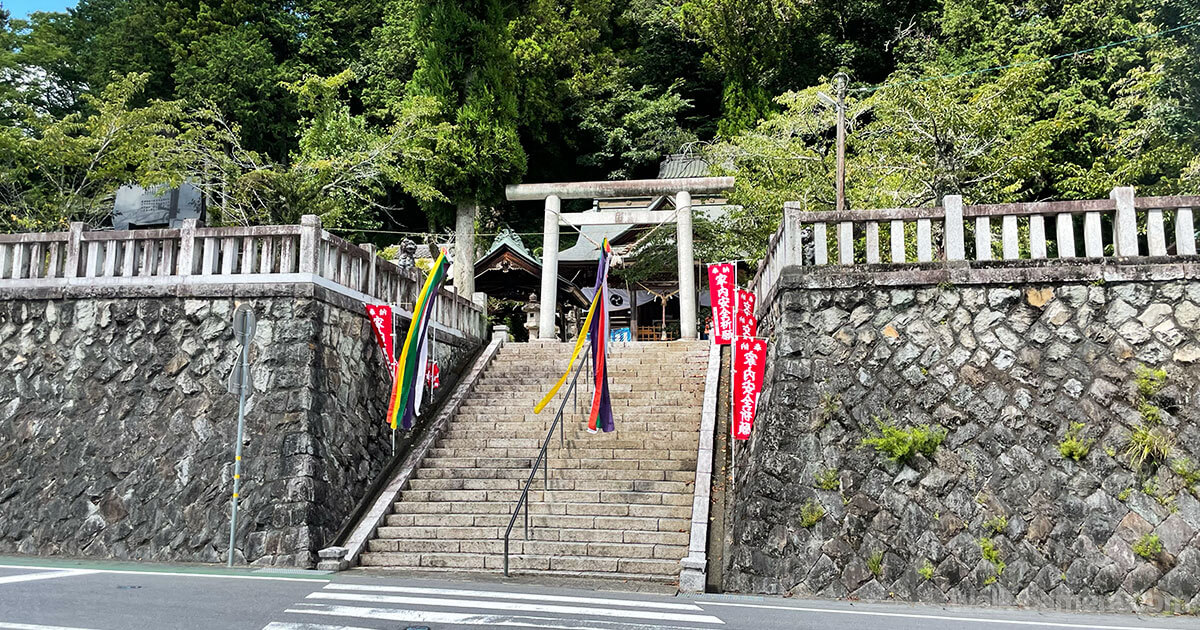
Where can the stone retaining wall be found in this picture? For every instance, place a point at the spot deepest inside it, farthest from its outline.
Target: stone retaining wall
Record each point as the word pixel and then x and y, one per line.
pixel 116 429
pixel 1004 370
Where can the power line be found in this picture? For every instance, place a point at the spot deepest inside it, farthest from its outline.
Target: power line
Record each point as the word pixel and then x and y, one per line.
pixel 433 234
pixel 1027 63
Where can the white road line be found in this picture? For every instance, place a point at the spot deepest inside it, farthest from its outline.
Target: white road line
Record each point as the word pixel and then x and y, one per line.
pixel 1013 622
pixel 595 601
pixel 30 626
pixel 472 619
pixel 45 574
pixel 279 625
pixel 171 574
pixel 654 615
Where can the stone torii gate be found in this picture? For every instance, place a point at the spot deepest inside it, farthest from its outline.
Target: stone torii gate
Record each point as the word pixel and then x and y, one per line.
pixel 681 188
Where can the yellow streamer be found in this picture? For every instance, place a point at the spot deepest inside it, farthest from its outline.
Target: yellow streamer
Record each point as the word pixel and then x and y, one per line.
pixel 587 323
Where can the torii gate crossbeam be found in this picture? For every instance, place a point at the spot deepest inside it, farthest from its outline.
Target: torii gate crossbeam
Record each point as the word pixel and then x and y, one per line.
pixel 554 193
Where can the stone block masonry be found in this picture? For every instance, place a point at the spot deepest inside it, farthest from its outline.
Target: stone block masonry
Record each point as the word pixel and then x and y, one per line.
pixel 996 514
pixel 116 429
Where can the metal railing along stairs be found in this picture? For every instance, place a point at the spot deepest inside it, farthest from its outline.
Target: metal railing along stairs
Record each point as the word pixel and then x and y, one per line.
pixel 543 461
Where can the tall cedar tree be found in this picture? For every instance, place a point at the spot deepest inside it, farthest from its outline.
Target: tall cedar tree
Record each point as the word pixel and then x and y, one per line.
pixel 465 83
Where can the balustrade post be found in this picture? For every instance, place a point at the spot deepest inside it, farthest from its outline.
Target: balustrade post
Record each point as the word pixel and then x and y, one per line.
pixel 899 255
pixel 310 243
pixel 370 271
pixel 983 238
pixel 187 247
pixel 1185 234
pixel 955 242
pixel 1009 237
pixel 1037 236
pixel 820 245
pixel 74 250
pixel 1125 222
pixel 924 240
pixel 846 243
pixel 792 239
pixel 872 232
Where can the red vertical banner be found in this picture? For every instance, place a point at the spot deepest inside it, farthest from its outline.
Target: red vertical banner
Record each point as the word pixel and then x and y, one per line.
pixel 385 334
pixel 722 282
pixel 747 323
pixel 749 363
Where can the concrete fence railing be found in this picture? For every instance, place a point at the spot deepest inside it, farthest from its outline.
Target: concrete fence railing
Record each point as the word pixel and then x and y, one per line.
pixel 194 255
pixel 1113 227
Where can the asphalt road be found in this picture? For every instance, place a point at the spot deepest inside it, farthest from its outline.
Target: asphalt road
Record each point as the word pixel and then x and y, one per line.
pixel 47 595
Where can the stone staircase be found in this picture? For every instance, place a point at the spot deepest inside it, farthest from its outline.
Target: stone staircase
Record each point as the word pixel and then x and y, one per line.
pixel 619 505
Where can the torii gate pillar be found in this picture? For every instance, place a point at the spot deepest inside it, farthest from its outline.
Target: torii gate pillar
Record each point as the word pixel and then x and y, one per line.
pixel 681 188
pixel 687 266
pixel 549 297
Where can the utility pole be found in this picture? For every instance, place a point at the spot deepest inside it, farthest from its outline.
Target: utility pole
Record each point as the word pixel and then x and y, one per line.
pixel 840 80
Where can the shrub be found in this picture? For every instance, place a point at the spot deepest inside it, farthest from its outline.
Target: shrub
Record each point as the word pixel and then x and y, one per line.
pixel 901 444
pixel 875 563
pixel 1124 495
pixel 1150 413
pixel 1150 382
pixel 991 553
pixel 827 479
pixel 1149 444
pixel 997 524
pixel 1148 546
pixel 810 513
pixel 1072 447
pixel 926 570
pixel 1187 471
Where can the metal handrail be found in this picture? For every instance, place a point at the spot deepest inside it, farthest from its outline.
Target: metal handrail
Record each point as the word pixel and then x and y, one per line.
pixel 542 461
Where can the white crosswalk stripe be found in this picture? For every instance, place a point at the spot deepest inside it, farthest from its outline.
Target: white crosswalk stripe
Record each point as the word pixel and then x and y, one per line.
pixel 373 607
pixel 418 590
pixel 43 575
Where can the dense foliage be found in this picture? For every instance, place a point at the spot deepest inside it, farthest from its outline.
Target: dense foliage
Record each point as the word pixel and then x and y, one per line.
pixel 383 113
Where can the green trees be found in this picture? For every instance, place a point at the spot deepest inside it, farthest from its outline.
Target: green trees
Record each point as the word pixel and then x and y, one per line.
pixel 1069 128
pixel 463 91
pixel 57 169
pixel 389 112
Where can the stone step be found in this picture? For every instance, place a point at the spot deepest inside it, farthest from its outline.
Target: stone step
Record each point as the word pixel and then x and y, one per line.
pixel 610 485
pixel 572 515
pixel 600 440
pixel 630 427
pixel 558 463
pixel 568 515
pixel 550 496
pixel 560 474
pixel 647 437
pixel 616 505
pixel 617 568
pixel 518 545
pixel 567 453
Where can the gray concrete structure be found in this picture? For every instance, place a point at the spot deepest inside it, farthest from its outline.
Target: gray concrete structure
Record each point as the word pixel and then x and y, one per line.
pixel 694 567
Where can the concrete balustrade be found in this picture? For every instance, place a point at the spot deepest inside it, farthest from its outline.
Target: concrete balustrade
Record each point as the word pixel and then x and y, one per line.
pixel 81 262
pixel 1109 228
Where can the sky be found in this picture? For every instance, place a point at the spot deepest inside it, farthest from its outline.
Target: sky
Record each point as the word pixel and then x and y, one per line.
pixel 22 8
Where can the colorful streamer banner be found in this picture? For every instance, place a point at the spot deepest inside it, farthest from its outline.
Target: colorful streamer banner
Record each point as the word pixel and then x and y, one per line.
pixel 722 279
pixel 749 363
pixel 593 327
pixel 747 323
pixel 601 418
pixel 382 322
pixel 409 386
